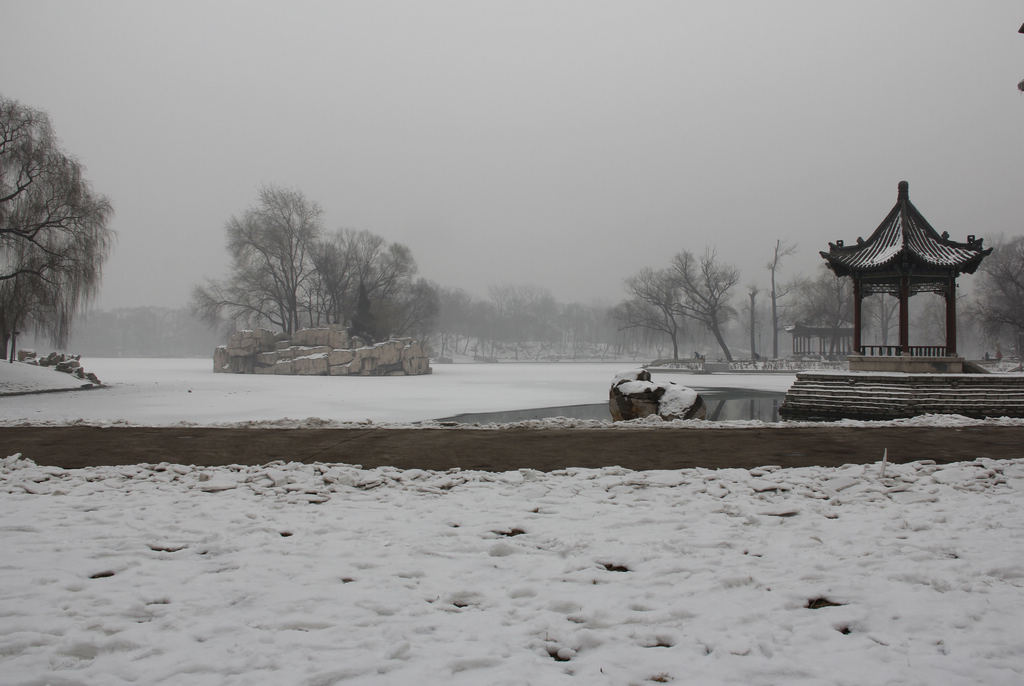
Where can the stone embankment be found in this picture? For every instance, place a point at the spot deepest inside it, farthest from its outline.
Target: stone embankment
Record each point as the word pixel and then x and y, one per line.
pixel 319 352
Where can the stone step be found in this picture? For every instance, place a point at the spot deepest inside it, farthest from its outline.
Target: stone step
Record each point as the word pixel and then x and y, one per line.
pixel 879 397
pixel 912 400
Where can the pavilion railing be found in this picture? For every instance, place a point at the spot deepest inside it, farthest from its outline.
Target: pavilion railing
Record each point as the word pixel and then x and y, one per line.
pixel 897 351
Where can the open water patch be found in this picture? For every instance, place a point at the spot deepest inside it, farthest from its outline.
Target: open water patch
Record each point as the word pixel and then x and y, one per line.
pixel 724 404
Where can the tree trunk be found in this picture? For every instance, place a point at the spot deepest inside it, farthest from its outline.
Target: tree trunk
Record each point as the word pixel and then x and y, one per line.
pixel 753 352
pixel 775 320
pixel 884 320
pixel 721 341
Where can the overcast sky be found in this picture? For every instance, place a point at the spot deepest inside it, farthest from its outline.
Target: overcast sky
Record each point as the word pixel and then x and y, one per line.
pixel 560 144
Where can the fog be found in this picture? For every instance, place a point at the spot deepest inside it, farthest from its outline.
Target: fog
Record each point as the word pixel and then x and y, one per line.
pixel 560 144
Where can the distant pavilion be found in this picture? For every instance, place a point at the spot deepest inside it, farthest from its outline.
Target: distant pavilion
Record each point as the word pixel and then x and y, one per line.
pixel 823 341
pixel 905 256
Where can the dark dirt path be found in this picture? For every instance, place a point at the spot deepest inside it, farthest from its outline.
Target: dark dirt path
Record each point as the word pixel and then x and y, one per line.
pixel 500 450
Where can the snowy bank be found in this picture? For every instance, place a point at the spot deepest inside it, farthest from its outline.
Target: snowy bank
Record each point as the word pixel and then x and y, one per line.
pixel 18 378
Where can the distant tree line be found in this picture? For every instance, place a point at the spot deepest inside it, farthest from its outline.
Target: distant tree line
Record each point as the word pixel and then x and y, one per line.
pixel 525 322
pixel 143 332
pixel 288 272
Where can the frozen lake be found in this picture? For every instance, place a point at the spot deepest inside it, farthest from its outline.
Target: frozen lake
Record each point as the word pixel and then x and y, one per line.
pixel 166 391
pixel 724 404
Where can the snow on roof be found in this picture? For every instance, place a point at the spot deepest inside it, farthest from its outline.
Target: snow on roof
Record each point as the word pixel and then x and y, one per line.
pixel 905 232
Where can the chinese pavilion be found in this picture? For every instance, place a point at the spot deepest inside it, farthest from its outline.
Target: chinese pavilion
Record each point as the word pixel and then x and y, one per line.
pixel 905 256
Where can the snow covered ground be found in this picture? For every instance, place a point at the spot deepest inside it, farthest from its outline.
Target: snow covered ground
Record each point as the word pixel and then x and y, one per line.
pixel 332 574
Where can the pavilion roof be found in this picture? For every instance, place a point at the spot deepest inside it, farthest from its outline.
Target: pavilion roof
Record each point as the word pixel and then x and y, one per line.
pixel 905 241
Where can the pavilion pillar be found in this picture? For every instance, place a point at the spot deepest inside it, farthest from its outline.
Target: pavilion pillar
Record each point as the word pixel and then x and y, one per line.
pixel 857 297
pixel 951 317
pixel 905 314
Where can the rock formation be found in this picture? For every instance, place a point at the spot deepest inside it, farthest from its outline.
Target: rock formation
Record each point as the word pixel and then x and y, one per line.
pixel 633 395
pixel 319 352
pixel 62 362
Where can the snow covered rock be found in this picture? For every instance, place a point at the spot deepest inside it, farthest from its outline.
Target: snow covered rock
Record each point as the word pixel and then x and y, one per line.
pixel 633 395
pixel 319 352
pixel 61 362
pixel 310 365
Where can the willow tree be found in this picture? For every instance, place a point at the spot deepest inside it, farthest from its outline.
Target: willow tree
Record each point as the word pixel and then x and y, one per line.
pixel 54 234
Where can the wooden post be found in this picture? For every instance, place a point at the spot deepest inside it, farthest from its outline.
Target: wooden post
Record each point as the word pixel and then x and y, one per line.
pixel 905 314
pixel 951 317
pixel 857 297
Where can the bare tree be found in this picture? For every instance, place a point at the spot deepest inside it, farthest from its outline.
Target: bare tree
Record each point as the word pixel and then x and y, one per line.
pixel 347 260
pixel 286 274
pixel 653 305
pixel 363 324
pixel 882 309
pixel 270 246
pixel 411 311
pixel 752 292
pixel 929 317
pixel 453 320
pixel 1000 293
pixel 54 236
pixel 825 301
pixel 782 250
pixel 384 268
pixel 330 294
pixel 524 313
pixel 705 284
